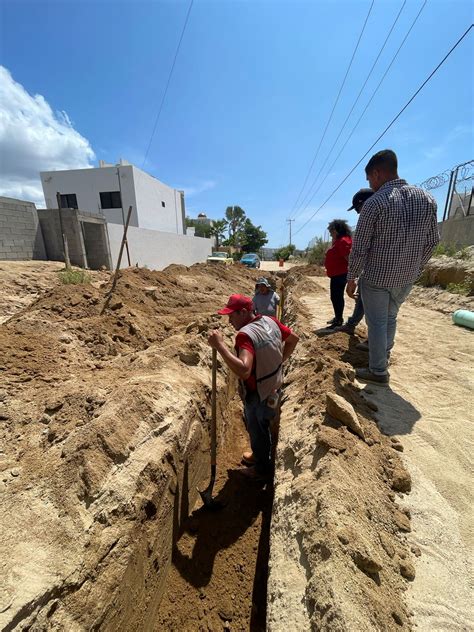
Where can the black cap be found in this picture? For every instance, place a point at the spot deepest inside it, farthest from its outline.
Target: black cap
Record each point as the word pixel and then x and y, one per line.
pixel 360 197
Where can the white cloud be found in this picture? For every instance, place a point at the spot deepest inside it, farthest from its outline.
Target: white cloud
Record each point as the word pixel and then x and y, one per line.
pixel 33 138
pixel 201 187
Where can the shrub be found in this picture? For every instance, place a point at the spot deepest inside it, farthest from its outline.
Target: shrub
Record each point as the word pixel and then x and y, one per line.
pixel 465 288
pixel 71 276
pixel 444 249
pixel 284 253
pixel 317 253
pixel 463 254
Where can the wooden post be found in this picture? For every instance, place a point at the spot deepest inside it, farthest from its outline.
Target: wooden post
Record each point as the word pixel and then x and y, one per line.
pixel 123 216
pixel 119 261
pixel 67 262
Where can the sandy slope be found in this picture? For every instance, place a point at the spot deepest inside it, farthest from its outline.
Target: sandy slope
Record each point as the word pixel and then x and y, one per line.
pixel 429 407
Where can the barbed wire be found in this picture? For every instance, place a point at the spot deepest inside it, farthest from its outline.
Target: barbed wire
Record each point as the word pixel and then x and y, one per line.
pixel 465 171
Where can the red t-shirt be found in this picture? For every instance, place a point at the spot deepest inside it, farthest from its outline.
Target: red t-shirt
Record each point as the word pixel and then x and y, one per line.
pixel 243 341
pixel 336 261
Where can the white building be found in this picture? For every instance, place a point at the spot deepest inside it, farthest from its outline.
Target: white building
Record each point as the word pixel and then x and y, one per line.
pixel 111 189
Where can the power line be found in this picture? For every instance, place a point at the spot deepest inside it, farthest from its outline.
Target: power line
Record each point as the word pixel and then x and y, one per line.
pixel 308 202
pixel 167 84
pixel 333 107
pixel 388 126
pixel 357 99
pixel 367 106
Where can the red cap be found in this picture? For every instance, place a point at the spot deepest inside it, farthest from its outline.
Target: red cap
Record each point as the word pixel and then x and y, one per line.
pixel 237 302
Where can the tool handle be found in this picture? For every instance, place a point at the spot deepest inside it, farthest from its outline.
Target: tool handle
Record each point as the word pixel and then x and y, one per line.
pixel 214 409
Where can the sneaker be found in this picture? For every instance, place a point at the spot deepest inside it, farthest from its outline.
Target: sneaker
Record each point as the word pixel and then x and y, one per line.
pixel 346 329
pixel 252 474
pixel 363 346
pixel 248 458
pixel 365 375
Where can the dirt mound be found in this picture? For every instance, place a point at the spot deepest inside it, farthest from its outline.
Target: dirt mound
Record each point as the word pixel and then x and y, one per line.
pixel 439 300
pixel 22 281
pixel 339 559
pixel 103 433
pixel 104 426
pixel 444 271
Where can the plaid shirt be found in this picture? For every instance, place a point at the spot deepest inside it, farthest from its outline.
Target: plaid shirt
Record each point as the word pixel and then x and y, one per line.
pixel 395 235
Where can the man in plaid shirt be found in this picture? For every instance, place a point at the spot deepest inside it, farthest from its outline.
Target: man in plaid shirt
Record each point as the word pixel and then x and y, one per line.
pixel 395 236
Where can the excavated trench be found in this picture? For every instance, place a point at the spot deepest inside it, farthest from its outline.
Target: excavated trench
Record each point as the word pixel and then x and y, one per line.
pixel 106 435
pixel 218 576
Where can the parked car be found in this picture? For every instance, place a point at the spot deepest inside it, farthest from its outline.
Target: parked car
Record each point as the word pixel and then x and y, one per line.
pixel 220 257
pixel 251 260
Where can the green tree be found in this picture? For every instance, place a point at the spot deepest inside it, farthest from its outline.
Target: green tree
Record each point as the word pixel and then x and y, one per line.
pixel 285 252
pixel 201 228
pixel 235 217
pixel 218 230
pixel 252 237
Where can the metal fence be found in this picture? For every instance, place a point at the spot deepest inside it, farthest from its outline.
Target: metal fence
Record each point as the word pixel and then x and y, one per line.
pixel 463 172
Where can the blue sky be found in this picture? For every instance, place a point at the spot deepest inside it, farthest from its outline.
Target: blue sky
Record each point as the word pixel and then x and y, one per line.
pixel 252 89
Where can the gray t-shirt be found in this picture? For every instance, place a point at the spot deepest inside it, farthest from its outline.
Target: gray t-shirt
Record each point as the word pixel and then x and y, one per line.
pixel 266 304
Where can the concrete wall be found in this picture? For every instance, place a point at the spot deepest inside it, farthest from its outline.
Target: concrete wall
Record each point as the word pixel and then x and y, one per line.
pixel 157 250
pixel 51 227
pixel 458 231
pixel 151 194
pixel 86 236
pixel 20 233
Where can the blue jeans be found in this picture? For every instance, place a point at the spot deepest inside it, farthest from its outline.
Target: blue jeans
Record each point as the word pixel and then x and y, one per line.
pixel 357 314
pixel 381 308
pixel 257 420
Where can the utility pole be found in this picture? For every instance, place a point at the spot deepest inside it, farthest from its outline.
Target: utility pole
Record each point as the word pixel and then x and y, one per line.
pixel 289 222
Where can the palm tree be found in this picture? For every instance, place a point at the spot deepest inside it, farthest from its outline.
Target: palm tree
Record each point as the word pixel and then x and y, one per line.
pixel 217 230
pixel 236 218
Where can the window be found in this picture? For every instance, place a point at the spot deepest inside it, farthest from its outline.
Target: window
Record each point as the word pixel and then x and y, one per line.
pixel 163 204
pixel 69 200
pixel 110 199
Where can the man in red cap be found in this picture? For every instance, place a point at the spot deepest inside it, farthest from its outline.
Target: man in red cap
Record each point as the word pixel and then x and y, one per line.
pixel 262 345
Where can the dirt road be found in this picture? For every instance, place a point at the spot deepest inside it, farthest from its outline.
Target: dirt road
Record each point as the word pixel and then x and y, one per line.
pixel 429 408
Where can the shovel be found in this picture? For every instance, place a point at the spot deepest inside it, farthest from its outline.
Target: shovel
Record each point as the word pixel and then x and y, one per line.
pixel 206 495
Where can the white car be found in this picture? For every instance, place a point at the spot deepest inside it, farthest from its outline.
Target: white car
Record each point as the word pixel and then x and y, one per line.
pixel 220 257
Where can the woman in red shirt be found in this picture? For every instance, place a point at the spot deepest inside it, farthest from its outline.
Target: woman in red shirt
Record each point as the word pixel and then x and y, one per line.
pixel 336 264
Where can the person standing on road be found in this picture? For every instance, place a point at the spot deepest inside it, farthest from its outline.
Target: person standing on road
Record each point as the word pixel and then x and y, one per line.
pixel 262 345
pixel 358 314
pixel 266 300
pixel 395 236
pixel 336 262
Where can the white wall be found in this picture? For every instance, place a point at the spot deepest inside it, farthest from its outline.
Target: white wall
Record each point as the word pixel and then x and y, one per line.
pixel 87 184
pixel 151 193
pixel 144 193
pixel 156 250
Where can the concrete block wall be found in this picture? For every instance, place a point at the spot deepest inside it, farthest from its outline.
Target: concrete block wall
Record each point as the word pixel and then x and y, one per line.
pixel 20 233
pixel 51 227
pixel 96 245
